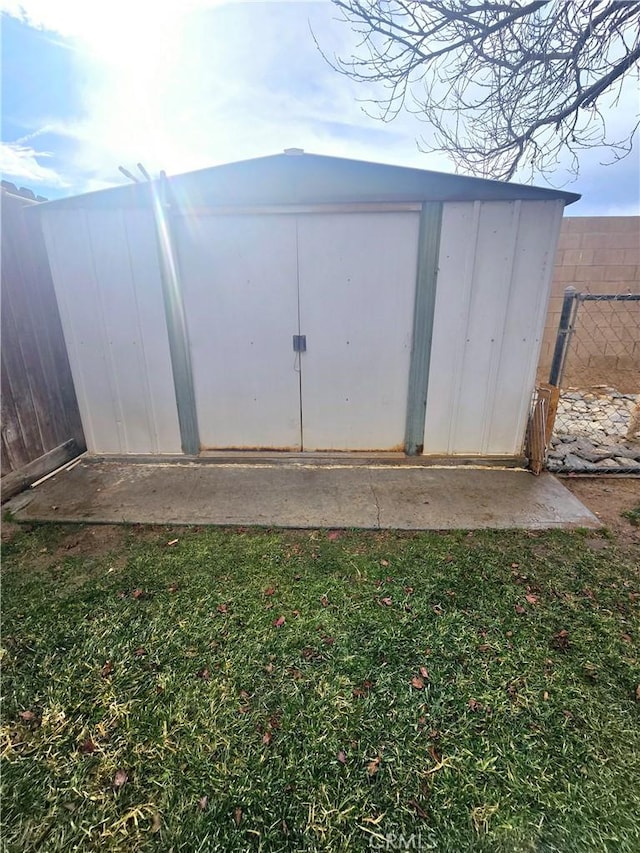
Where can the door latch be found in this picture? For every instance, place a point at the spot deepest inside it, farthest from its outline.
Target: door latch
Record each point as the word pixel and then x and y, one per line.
pixel 299 343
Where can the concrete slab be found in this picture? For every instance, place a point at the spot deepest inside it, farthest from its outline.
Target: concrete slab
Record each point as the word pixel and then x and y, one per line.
pixel 298 495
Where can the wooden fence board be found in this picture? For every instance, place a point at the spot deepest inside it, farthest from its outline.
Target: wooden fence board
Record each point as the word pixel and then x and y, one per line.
pixel 39 409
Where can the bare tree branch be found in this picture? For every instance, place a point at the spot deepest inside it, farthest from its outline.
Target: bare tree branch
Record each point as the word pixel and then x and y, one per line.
pixel 502 84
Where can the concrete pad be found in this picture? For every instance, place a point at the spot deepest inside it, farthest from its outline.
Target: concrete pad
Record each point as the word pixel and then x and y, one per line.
pixel 295 495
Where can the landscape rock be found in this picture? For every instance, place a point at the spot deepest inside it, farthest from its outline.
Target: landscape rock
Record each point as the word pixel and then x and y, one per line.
pixel 590 432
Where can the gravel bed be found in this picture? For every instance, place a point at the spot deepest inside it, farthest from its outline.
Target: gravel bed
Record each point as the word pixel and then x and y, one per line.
pixel 590 433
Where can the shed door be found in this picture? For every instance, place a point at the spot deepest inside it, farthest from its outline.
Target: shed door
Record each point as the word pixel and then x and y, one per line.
pixel 240 291
pixel 346 282
pixel 357 288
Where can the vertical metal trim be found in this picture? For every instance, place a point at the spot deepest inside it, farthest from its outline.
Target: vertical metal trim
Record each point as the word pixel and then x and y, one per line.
pixel 423 314
pixel 176 321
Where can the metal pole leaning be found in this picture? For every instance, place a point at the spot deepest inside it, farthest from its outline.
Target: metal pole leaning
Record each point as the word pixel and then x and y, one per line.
pixel 562 338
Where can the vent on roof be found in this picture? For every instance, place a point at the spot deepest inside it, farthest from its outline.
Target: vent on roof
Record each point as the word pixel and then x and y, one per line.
pixel 294 152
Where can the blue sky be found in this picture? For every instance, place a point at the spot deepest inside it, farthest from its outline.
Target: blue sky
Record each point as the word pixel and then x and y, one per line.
pixel 89 86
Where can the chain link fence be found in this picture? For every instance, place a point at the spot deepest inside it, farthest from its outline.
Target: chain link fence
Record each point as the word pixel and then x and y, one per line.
pixel 596 364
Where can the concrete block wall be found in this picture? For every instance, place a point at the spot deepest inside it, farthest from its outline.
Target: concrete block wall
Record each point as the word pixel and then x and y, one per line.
pixel 598 254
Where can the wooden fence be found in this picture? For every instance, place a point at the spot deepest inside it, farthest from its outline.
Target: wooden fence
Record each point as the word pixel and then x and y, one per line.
pixel 40 422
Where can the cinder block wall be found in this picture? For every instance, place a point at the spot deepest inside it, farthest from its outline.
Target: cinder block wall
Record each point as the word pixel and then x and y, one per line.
pixel 598 254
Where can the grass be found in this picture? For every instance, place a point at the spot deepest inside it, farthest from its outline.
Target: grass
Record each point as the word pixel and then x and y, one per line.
pixel 633 516
pixel 519 732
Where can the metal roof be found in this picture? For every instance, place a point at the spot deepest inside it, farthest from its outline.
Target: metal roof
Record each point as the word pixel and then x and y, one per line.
pixel 298 178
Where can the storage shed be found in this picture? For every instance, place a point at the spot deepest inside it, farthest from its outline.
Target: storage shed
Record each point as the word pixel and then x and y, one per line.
pixel 305 303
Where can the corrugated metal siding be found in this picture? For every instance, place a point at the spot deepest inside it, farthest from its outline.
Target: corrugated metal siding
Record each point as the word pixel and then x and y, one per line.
pixel 496 262
pixel 107 279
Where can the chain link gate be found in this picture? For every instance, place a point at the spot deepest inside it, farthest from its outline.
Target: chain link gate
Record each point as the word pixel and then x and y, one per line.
pixel 596 367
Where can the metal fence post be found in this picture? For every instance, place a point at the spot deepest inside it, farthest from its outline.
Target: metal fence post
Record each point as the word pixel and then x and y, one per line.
pixel 564 328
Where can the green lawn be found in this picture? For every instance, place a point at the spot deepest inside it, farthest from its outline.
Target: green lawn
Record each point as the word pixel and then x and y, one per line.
pixel 285 691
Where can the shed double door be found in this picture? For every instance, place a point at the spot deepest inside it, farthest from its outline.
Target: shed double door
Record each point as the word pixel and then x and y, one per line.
pixel 344 281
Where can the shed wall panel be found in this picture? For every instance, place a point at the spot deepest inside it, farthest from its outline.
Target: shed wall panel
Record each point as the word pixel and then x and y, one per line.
pixel 493 280
pixel 106 274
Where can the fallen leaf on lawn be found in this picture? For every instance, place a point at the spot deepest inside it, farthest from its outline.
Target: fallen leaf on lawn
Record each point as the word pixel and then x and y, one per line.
pixel 294 673
pixel 437 609
pixel 204 674
pixel 627 638
pixel 88 746
pixel 269 668
pixel 342 758
pixel 203 802
pixel 173 587
pixel 519 609
pixel 244 709
pixel 417 809
pixel 269 591
pixel 138 593
pixel 156 822
pixel 222 608
pixel 408 590
pixel 386 601
pixel 245 695
pixel 267 738
pixel 531 598
pixel 515 565
pixel 545 695
pixel 561 639
pixel 638 693
pixel 475 705
pixel 279 622
pixel 433 753
pixel 329 641
pixel 424 672
pixel 384 563
pixel 296 613
pixel 324 601
pixel 140 652
pixel 237 815
pixel 373 766
pixel 417 682
pixel 568 714
pixel 333 535
pixel 27 716
pixel 107 669
pixel 121 778
pixel 484 647
pixel 173 542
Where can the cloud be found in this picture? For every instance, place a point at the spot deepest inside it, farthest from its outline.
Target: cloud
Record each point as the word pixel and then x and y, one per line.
pixel 184 85
pixel 20 162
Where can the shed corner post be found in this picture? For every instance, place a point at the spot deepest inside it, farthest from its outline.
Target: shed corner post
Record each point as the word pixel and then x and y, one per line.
pixel 176 321
pixel 423 317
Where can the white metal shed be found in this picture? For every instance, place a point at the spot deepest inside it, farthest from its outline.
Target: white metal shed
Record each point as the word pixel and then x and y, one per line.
pixel 305 303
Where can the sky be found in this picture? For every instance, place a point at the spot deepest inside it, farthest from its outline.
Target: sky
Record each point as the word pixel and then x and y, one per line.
pixel 89 85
